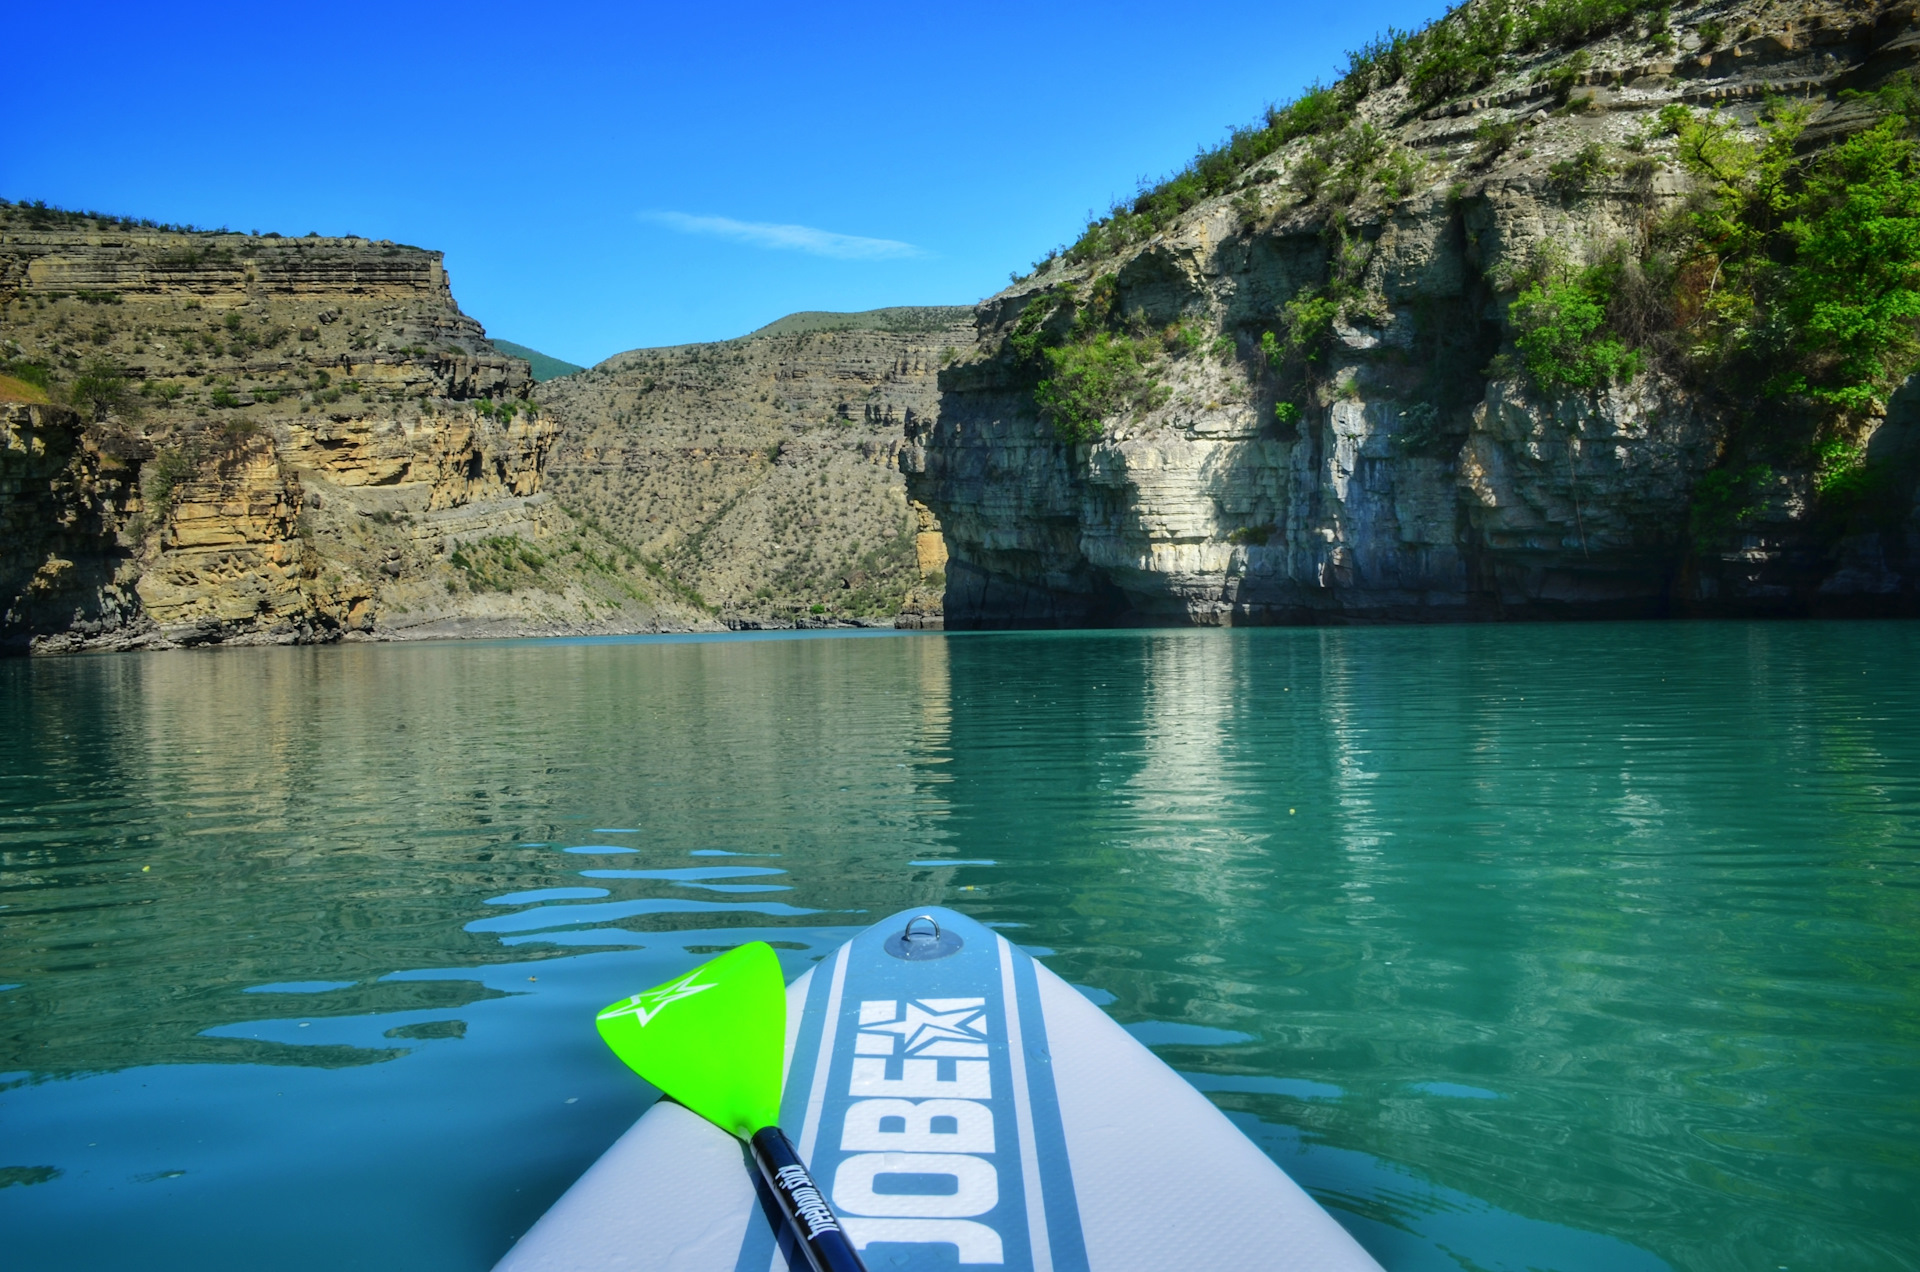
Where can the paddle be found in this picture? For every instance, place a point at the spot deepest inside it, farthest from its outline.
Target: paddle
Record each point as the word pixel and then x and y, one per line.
pixel 715 1041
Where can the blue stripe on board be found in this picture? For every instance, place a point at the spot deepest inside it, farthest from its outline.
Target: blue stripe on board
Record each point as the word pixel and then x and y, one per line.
pixel 903 1218
pixel 1063 1209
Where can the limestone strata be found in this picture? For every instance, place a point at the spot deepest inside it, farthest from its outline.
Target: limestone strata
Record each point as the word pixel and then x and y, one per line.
pixel 764 471
pixel 1417 482
pixel 315 443
pixel 425 463
pixel 228 560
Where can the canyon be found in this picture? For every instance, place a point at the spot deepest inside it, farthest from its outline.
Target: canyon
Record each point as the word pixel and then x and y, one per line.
pixel 1442 341
pixel 271 440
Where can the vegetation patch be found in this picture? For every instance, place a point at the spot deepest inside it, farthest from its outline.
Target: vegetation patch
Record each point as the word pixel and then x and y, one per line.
pixel 504 563
pixel 1578 171
pixel 161 479
pixel 14 389
pixel 101 390
pixel 1094 378
pixel 1726 497
pixel 1561 331
pixel 1465 50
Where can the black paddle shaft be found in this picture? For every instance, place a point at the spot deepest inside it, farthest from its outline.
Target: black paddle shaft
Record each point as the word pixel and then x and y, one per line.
pixel 812 1220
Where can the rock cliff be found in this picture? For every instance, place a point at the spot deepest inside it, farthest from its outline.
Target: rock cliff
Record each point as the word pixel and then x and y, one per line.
pixel 764 471
pixel 1339 369
pixel 275 440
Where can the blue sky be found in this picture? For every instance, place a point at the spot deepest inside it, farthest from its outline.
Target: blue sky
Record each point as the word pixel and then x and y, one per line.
pixel 609 176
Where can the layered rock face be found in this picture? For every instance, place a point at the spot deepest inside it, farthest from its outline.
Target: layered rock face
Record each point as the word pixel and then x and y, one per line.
pixel 764 471
pixel 1420 476
pixel 278 440
pixel 64 564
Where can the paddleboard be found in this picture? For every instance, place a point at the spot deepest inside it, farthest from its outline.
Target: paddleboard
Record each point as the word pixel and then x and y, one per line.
pixel 963 1107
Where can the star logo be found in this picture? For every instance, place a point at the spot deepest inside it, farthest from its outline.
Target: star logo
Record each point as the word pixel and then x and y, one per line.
pixel 921 1028
pixel 644 1007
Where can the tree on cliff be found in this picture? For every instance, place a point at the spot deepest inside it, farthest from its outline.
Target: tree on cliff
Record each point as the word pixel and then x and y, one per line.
pixel 101 390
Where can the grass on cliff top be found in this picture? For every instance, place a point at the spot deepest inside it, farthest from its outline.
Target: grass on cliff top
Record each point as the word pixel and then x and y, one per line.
pixel 12 390
pixel 41 215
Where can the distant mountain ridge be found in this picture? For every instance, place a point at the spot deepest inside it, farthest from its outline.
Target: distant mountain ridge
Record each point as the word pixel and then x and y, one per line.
pixel 545 366
pixel 910 319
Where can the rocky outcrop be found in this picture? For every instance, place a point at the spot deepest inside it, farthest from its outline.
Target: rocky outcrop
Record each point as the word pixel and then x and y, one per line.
pixel 1419 476
pixel 764 471
pixel 65 562
pixel 278 440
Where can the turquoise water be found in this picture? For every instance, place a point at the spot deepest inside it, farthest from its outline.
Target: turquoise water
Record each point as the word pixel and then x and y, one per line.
pixel 1575 947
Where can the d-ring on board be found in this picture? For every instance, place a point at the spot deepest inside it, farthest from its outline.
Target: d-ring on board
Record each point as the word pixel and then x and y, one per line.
pixel 921 946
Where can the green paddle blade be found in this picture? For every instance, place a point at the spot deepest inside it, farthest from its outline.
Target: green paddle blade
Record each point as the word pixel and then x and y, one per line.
pixel 714 1039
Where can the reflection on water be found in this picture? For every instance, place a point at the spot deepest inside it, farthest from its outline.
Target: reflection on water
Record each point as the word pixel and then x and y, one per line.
pixel 1556 947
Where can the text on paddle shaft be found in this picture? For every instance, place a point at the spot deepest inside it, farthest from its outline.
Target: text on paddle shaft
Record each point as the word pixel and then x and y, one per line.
pixel 808 1205
pixel 922 1082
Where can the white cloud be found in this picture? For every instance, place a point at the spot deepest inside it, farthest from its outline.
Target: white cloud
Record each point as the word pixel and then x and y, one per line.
pixel 790 238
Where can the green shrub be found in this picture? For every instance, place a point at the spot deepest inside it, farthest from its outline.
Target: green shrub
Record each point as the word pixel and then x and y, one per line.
pixel 1461 52
pixel 1420 430
pixel 1562 333
pixel 1380 62
pixel 1186 336
pixel 1092 379
pixel 1028 339
pixel 1563 23
pixel 1839 467
pixel 1398 176
pixel 1898 96
pixel 1286 412
pixel 1851 293
pixel 1256 536
pixel 1579 170
pixel 1493 138
pixel 101 388
pixel 1309 318
pixel 1724 498
pixel 1814 259
pixel 161 478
